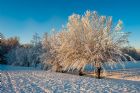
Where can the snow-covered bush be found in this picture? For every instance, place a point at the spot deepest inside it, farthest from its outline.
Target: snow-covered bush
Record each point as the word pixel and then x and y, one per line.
pixel 26 55
pixel 88 39
pixel 17 56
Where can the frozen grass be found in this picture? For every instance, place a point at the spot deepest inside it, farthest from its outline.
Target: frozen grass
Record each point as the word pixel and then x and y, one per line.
pixel 51 82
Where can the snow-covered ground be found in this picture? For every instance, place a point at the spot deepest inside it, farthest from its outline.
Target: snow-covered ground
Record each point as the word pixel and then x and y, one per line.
pixel 31 81
pixel 125 74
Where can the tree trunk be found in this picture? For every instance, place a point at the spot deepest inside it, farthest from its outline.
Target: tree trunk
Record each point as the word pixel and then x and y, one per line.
pixel 58 68
pixel 98 72
pixel 81 72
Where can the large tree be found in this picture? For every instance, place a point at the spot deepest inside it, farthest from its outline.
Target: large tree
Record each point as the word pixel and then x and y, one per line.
pixel 89 39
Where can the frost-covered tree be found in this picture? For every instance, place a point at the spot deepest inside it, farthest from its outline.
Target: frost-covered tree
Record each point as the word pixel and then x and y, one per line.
pixel 18 56
pixel 35 51
pixel 89 39
pixel 36 39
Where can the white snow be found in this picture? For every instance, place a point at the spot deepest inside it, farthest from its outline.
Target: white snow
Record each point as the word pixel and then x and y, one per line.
pixel 29 80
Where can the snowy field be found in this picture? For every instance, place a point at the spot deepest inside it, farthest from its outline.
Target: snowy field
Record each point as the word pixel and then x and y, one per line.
pixel 31 81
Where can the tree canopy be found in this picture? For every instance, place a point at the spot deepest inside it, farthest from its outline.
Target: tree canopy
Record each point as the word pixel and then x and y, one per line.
pixel 89 39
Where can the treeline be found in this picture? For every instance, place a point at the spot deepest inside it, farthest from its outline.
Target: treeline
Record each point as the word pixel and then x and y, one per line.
pixel 12 52
pixel 6 45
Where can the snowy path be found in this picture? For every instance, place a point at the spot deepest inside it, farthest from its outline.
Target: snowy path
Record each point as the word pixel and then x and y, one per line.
pixel 51 82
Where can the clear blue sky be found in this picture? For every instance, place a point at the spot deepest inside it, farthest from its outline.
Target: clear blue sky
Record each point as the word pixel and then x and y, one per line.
pixel 25 17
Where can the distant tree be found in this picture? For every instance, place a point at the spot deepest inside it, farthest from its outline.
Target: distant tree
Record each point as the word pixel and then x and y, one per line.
pixel 89 39
pixel 132 52
pixel 11 43
pixel 1 37
pixel 47 56
pixel 36 51
pixel 36 39
pixel 1 47
pixel 6 44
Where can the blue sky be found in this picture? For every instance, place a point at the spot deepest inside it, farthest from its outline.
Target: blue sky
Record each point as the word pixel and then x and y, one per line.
pixel 25 17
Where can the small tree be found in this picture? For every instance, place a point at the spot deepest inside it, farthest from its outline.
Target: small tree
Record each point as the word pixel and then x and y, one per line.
pixel 89 39
pixel 36 39
pixel 35 51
